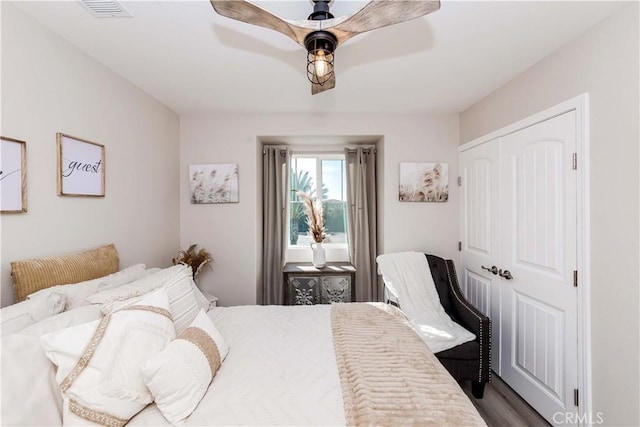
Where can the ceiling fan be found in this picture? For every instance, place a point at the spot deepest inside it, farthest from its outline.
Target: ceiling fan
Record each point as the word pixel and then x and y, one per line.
pixel 321 33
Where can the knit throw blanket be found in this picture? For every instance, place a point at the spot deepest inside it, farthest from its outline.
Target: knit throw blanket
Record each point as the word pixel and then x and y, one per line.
pixel 389 376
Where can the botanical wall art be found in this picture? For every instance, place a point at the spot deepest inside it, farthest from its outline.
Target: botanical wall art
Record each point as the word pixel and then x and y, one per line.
pixel 216 183
pixel 80 167
pixel 424 182
pixel 13 175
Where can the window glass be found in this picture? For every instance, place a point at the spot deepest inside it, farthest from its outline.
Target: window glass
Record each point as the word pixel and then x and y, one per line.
pixel 334 199
pixel 306 172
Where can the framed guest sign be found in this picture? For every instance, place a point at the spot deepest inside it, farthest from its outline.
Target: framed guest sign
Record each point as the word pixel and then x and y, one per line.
pixel 80 167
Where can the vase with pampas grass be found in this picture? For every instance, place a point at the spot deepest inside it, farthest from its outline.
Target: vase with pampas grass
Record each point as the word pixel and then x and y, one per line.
pixel 196 259
pixel 315 221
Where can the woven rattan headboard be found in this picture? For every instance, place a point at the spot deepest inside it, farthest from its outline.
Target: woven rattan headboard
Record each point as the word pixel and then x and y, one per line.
pixel 32 275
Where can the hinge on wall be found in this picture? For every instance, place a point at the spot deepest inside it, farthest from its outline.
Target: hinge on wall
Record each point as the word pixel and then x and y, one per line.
pixel 459 181
pixel 575 278
pixel 575 397
pixel 575 161
pixel 460 246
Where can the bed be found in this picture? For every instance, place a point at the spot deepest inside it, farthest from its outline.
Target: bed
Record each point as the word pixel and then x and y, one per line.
pixel 340 364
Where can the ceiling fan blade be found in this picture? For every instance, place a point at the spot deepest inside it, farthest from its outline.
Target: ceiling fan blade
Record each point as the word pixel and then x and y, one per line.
pixel 250 13
pixel 245 11
pixel 329 84
pixel 382 13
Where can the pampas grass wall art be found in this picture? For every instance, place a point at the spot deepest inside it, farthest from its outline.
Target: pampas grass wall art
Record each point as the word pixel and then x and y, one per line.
pixel 424 182
pixel 216 183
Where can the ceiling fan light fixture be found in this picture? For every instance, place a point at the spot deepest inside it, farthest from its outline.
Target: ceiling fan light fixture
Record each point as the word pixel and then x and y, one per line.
pixel 320 48
pixel 321 33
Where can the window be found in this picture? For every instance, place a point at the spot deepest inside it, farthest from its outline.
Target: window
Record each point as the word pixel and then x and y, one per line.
pixel 307 170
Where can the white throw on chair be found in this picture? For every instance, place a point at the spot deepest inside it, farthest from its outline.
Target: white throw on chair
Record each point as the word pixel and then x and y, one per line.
pixel 408 277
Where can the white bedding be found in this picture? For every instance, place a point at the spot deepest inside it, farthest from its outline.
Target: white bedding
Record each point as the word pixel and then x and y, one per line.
pixel 285 376
pixel 281 369
pixel 29 395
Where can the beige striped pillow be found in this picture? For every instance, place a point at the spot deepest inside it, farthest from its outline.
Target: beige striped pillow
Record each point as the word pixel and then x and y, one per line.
pixel 32 275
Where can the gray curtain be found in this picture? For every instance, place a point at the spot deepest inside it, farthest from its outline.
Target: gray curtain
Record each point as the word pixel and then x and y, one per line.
pixel 362 221
pixel 275 189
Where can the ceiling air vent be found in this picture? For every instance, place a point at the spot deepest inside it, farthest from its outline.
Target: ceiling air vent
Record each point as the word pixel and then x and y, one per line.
pixel 105 8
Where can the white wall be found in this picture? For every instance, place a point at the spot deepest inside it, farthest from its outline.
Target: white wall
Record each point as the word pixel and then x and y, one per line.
pixel 232 231
pixel 604 63
pixel 49 86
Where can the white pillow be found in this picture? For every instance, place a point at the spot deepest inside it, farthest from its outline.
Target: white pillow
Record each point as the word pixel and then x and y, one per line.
pixel 178 282
pixel 30 395
pixel 76 293
pixel 15 317
pixel 111 283
pixel 99 362
pixel 121 277
pixel 201 299
pixel 64 320
pixel 178 376
pixel 16 324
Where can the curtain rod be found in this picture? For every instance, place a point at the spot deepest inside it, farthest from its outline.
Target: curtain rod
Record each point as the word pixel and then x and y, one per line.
pixel 331 150
pixel 279 147
pixel 353 150
pixel 350 150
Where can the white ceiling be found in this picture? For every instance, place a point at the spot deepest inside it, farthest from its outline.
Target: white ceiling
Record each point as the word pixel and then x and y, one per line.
pixel 193 60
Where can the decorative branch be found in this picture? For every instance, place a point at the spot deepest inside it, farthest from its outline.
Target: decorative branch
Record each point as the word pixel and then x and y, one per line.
pixel 196 259
pixel 315 217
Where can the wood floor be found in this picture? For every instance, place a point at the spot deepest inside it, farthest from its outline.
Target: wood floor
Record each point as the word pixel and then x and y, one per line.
pixel 501 406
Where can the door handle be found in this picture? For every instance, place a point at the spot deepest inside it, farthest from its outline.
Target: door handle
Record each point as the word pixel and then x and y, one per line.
pixel 493 269
pixel 506 274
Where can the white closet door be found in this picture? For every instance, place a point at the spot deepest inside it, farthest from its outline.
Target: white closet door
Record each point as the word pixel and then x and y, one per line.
pixel 480 171
pixel 538 248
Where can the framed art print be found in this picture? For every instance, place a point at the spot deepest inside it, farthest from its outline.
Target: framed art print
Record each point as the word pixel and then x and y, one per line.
pixel 80 167
pixel 214 183
pixel 424 182
pixel 13 175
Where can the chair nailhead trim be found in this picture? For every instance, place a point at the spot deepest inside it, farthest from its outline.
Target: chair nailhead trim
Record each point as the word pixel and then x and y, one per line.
pixel 463 301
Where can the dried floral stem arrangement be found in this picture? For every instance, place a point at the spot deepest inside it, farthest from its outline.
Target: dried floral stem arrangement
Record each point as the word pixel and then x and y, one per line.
pixel 194 258
pixel 315 217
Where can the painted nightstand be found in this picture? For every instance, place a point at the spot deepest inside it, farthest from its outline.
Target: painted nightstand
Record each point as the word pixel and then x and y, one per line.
pixel 307 285
pixel 213 300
